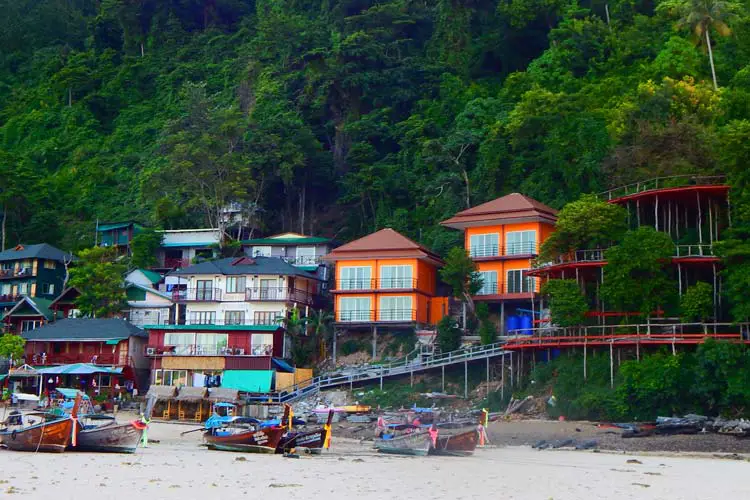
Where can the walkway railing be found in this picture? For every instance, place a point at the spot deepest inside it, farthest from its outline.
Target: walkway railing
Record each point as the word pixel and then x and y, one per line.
pixel 599 255
pixel 649 333
pixel 412 362
pixel 663 183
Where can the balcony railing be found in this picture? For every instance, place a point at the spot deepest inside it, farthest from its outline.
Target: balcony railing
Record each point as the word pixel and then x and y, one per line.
pixel 172 263
pixel 9 297
pixel 16 273
pixel 208 350
pixel 279 294
pixel 382 283
pixel 598 255
pixel 212 321
pixel 116 359
pixel 197 295
pixel 663 183
pixel 303 260
pixel 510 249
pixel 501 288
pixel 369 316
pixel 694 251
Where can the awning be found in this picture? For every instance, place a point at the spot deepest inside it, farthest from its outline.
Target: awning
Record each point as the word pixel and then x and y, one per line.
pixel 3 377
pixel 248 380
pixel 113 341
pixel 78 369
pixel 69 393
pixel 282 365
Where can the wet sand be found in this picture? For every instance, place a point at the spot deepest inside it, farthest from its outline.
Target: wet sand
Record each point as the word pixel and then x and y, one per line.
pixel 178 468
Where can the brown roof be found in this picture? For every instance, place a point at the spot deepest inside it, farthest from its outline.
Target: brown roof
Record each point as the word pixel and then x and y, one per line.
pixel 509 208
pixel 383 244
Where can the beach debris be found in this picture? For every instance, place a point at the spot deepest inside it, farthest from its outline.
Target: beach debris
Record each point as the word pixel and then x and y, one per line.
pixel 284 485
pixel 240 459
pixel 642 485
pixel 566 443
pixel 634 461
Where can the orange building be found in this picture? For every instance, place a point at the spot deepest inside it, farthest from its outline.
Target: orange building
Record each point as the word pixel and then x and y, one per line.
pixel 386 281
pixel 503 237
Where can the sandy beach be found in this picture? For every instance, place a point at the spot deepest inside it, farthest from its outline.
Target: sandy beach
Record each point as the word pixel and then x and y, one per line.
pixel 178 468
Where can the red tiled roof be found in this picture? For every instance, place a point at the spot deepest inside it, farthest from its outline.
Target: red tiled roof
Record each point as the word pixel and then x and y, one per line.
pixel 385 243
pixel 513 206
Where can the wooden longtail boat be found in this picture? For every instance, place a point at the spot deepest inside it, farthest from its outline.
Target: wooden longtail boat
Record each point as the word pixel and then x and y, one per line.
pixel 462 444
pixel 415 443
pixel 110 436
pixel 311 441
pixel 244 434
pixel 49 433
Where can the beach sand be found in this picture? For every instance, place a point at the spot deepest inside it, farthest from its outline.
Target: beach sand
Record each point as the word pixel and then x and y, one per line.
pixel 178 468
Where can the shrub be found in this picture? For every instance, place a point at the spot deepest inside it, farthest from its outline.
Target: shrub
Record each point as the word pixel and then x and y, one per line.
pixel 448 334
pixel 697 303
pixel 354 345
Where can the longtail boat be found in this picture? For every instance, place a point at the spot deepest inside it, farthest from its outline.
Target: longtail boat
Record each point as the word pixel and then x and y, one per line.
pixel 413 440
pixel 462 444
pixel 244 434
pixel 312 442
pixel 39 431
pixel 109 436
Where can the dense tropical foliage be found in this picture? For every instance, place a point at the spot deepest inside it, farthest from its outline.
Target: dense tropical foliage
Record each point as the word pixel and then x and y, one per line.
pixel 337 117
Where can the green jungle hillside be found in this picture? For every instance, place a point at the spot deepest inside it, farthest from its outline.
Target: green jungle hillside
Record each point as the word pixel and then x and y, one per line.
pixel 336 117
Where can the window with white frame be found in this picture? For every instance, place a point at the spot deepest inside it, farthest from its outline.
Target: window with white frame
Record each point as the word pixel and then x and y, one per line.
pixel 489 283
pixel 305 256
pixel 518 283
pixel 30 324
pixel 234 317
pixel 261 344
pixel 261 251
pixel 396 277
pixel 520 243
pixel 354 309
pixel 48 288
pixel 395 309
pixel 236 284
pixel 266 317
pixel 170 377
pixel 211 343
pixel 182 342
pixel 484 245
pixel 355 278
pixel 5 289
pixel 202 317
pixel 50 264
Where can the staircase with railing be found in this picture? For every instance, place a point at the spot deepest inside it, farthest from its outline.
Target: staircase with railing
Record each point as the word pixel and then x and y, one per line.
pixel 421 359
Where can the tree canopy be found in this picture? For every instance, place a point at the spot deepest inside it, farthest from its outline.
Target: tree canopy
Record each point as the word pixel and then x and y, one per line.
pixel 341 117
pixel 98 278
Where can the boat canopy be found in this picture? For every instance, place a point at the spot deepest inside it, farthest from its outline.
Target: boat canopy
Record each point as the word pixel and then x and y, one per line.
pixel 78 369
pixel 69 393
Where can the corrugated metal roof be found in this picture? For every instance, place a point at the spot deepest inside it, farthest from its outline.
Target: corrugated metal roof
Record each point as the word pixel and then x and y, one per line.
pixel 85 329
pixel 242 266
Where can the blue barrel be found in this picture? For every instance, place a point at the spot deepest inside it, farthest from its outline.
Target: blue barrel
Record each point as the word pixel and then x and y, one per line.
pixel 526 325
pixel 555 353
pixel 513 323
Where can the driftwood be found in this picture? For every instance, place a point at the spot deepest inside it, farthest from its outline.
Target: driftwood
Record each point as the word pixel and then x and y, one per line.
pixel 516 405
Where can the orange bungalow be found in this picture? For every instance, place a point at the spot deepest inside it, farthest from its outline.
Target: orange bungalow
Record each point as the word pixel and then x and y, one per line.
pixel 503 237
pixel 386 281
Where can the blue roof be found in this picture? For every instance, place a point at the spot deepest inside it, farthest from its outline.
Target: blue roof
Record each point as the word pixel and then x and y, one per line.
pixel 282 365
pixel 191 244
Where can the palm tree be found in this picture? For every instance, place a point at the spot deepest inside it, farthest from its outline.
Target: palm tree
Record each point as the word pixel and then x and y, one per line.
pixel 702 15
pixel 296 327
pixel 320 326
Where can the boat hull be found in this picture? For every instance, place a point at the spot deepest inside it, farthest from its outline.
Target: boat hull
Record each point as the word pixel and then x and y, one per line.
pixel 415 444
pixel 51 437
pixel 111 438
pixel 457 445
pixel 251 441
pixel 312 441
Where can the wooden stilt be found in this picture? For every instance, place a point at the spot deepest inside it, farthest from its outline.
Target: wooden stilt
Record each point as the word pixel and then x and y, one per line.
pixel 502 378
pixel 656 212
pixel 611 365
pixel 584 357
pixel 442 369
pixel 466 380
pixel 700 220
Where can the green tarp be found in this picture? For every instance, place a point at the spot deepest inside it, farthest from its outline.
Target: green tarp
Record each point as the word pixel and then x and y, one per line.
pixel 113 341
pixel 248 380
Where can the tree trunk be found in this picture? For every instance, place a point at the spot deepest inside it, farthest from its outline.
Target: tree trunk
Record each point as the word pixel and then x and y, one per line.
pixel 606 10
pixel 302 203
pixel 70 96
pixel 468 190
pixel 711 57
pixel 143 52
pixel 5 216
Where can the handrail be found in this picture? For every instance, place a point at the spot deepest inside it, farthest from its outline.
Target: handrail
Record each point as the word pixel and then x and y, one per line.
pixel 656 183
pixel 599 255
pixel 397 367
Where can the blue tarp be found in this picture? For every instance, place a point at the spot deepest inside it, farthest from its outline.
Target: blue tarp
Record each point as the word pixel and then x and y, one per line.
pixel 282 365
